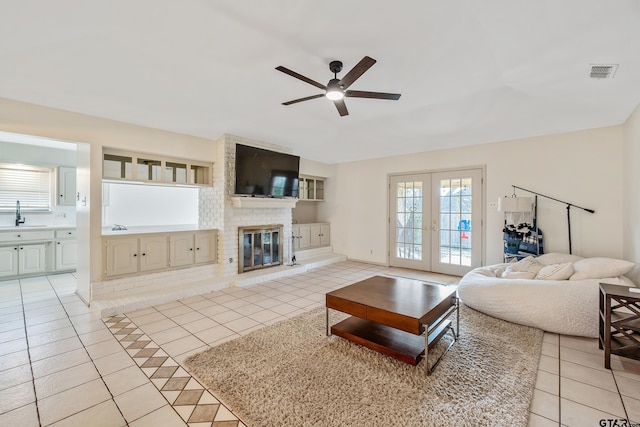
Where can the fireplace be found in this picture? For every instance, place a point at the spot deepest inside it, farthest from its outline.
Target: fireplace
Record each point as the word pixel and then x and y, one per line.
pixel 260 247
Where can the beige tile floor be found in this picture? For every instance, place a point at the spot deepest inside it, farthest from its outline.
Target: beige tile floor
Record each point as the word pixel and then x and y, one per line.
pixel 62 365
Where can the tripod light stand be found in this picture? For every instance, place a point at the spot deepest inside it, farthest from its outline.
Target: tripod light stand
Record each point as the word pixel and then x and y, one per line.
pixel 569 205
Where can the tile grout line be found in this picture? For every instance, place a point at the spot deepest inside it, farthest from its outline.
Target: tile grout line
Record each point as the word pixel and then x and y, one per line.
pixel 90 358
pixel 624 407
pixel 26 338
pixel 170 375
pixel 559 381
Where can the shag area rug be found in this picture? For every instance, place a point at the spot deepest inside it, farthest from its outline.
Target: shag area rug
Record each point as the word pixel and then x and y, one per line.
pixel 292 374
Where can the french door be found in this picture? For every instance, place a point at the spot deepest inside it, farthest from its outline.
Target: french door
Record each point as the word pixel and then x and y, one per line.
pixel 436 221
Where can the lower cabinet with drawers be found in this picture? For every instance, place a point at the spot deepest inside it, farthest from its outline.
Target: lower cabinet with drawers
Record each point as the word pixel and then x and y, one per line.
pixel 142 253
pixel 36 252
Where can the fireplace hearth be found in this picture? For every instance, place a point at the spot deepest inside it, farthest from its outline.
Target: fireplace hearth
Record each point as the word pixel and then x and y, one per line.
pixel 260 247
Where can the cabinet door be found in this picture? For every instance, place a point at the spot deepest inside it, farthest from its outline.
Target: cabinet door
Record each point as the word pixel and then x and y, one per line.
pixel 305 237
pixel 181 250
pixel 66 186
pixel 205 247
pixel 325 235
pixel 8 261
pixel 31 259
pixel 122 256
pixel 315 235
pixel 153 253
pixel 295 233
pixel 66 254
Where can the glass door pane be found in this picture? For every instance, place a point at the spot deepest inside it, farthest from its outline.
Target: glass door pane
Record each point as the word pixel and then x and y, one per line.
pixel 409 222
pixel 458 209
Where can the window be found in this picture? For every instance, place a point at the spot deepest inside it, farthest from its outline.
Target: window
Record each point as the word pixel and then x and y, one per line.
pixel 28 184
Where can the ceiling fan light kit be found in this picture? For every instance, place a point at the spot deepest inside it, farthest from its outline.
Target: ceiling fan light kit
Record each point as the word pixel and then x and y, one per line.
pixel 335 90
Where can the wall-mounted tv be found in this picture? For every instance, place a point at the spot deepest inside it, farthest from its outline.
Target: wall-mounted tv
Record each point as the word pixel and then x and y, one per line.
pixel 265 173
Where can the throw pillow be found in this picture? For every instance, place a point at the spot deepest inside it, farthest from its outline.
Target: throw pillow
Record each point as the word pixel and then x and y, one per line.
pixel 599 268
pixel 517 275
pixel 557 258
pixel 528 264
pixel 555 271
pixel 526 268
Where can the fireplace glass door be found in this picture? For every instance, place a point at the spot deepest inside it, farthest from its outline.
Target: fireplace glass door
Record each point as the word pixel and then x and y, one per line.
pixel 260 248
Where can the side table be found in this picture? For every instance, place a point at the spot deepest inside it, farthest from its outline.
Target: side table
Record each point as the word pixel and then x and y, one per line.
pixel 619 322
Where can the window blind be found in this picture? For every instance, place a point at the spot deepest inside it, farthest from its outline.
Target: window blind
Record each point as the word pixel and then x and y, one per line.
pixel 31 186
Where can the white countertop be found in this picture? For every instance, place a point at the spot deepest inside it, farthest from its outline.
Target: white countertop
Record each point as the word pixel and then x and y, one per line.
pixel 144 229
pixel 29 227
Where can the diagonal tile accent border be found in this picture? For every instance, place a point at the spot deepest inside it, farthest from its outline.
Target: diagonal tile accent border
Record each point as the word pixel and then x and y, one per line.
pixel 193 402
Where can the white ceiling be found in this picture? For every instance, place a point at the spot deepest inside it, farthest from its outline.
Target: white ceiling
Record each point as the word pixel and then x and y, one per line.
pixel 469 71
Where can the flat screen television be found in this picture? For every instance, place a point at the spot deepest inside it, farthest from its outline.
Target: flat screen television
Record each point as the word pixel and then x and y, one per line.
pixel 266 173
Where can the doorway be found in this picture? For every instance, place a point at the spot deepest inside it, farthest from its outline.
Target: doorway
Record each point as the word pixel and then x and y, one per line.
pixel 435 221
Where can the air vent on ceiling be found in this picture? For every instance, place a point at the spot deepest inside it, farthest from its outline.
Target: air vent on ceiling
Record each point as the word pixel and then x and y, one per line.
pixel 600 71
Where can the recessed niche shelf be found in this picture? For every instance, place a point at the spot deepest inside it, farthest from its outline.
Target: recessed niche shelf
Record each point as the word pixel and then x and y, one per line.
pixel 262 202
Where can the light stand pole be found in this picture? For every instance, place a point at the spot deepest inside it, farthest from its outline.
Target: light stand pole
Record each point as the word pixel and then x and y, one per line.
pixel 557 200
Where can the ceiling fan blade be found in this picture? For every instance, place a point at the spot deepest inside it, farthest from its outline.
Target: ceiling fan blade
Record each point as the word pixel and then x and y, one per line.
pixel 295 101
pixel 342 107
pixel 301 77
pixel 374 95
pixel 362 66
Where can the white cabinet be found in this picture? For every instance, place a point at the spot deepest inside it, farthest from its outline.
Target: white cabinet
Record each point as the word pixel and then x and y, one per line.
pixel 320 235
pixel 307 236
pixel 206 247
pixel 66 250
pixel 66 186
pixel 121 256
pixel 181 250
pixel 192 248
pixel 143 253
pixel 301 236
pixel 22 259
pixel 153 253
pixel 31 259
pixel 66 254
pixel 8 261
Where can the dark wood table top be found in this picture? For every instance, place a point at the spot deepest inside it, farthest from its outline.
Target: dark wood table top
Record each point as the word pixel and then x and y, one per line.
pixel 407 303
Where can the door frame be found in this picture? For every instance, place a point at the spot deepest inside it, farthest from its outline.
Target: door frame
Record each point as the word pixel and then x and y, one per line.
pixel 483 183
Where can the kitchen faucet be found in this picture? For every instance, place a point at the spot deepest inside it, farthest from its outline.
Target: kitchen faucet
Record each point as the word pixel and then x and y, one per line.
pixel 19 218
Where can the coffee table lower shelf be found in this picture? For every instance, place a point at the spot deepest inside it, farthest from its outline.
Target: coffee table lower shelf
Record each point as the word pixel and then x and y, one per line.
pixel 400 345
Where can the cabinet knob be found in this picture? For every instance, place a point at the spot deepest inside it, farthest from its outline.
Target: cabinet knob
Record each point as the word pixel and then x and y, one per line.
pixel 197 249
pixel 69 232
pixel 135 254
pixel 19 235
pixel 191 249
pixel 58 242
pixel 15 249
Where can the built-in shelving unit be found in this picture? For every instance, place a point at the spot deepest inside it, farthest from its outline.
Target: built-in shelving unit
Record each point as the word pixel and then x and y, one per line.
pixel 311 188
pixel 120 165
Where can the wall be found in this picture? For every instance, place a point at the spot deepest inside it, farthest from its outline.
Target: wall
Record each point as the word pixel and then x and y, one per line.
pixel 583 168
pixel 631 191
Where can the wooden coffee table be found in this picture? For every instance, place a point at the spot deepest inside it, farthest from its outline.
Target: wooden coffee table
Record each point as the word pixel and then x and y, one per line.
pixel 390 316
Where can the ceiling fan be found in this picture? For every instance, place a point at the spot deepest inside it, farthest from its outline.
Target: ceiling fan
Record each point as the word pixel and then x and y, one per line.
pixel 336 89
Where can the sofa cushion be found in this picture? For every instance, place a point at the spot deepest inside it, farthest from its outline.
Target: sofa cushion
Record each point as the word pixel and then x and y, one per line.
pixel 599 268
